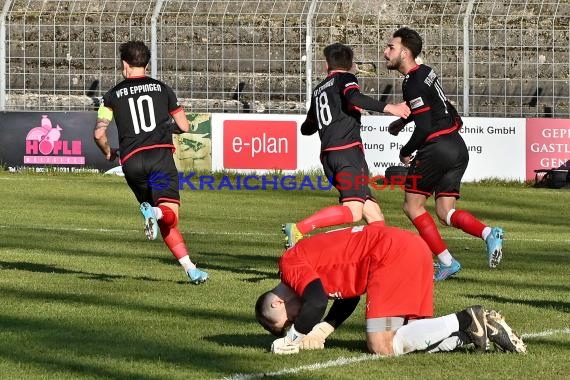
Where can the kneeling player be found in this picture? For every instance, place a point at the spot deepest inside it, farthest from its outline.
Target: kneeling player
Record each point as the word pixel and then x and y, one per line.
pixel 394 268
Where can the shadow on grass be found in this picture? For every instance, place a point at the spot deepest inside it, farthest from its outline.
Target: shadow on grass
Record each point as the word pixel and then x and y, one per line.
pixel 510 283
pixel 43 268
pixel 263 341
pixel 113 303
pixel 357 345
pixel 85 351
pixel 70 242
pixel 256 275
pixel 547 344
pixel 233 263
pixel 543 304
pixel 83 200
pixel 259 341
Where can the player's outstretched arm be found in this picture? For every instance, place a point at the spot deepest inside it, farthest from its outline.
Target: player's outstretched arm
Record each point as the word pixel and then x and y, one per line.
pixel 358 99
pixel 401 109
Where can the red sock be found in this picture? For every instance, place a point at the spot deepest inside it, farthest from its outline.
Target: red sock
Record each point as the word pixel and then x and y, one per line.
pixel 428 231
pixel 173 239
pixel 467 223
pixel 168 216
pixel 328 216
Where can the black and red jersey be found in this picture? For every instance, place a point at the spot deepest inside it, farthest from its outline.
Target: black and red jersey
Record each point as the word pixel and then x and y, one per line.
pixel 333 112
pixel 142 109
pixel 432 113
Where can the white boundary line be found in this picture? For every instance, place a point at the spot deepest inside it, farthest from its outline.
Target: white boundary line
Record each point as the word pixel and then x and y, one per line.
pixel 111 230
pixel 342 361
pixel 227 233
pixel 545 333
pixel 309 367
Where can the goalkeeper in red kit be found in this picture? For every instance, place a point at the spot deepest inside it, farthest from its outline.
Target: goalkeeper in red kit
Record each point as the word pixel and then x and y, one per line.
pixel 393 267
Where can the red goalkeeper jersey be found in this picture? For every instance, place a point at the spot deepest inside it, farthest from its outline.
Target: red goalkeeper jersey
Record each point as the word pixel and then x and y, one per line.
pixel 341 259
pixel 392 266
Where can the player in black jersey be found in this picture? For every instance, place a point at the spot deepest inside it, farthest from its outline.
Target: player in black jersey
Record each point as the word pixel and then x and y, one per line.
pixel 143 109
pixel 335 112
pixel 441 156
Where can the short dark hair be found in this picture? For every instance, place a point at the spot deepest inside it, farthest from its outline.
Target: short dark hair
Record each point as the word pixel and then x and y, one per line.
pixel 338 56
pixel 410 39
pixel 263 313
pixel 135 53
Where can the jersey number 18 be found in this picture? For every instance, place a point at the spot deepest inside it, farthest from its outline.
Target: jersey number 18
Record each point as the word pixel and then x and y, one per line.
pixel 324 114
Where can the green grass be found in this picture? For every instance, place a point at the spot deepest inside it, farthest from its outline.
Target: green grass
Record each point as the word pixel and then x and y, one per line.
pixel 84 295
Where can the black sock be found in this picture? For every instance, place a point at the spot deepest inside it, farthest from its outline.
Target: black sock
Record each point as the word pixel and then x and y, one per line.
pixel 464 319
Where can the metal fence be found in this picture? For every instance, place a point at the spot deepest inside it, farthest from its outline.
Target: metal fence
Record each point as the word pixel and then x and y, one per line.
pixel 495 58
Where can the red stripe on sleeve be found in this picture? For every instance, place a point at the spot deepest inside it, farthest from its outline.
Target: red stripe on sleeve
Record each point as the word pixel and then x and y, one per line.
pixel 353 87
pixel 421 110
pixel 176 110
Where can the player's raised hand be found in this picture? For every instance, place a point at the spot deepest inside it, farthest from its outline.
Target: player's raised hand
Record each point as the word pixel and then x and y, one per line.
pixel 315 339
pixel 401 109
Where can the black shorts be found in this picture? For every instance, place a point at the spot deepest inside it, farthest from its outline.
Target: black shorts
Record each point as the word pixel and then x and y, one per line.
pixel 152 176
pixel 439 167
pixel 349 172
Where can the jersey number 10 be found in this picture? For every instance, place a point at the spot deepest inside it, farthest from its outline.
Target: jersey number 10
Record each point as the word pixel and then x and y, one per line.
pixel 138 112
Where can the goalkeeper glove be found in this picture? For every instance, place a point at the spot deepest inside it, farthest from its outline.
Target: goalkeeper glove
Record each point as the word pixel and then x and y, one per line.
pixel 315 339
pixel 396 126
pixel 289 344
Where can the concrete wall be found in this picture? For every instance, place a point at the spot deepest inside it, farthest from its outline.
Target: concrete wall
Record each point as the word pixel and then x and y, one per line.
pixel 206 48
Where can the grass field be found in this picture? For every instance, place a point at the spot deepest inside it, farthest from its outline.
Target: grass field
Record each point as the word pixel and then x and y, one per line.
pixel 83 294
